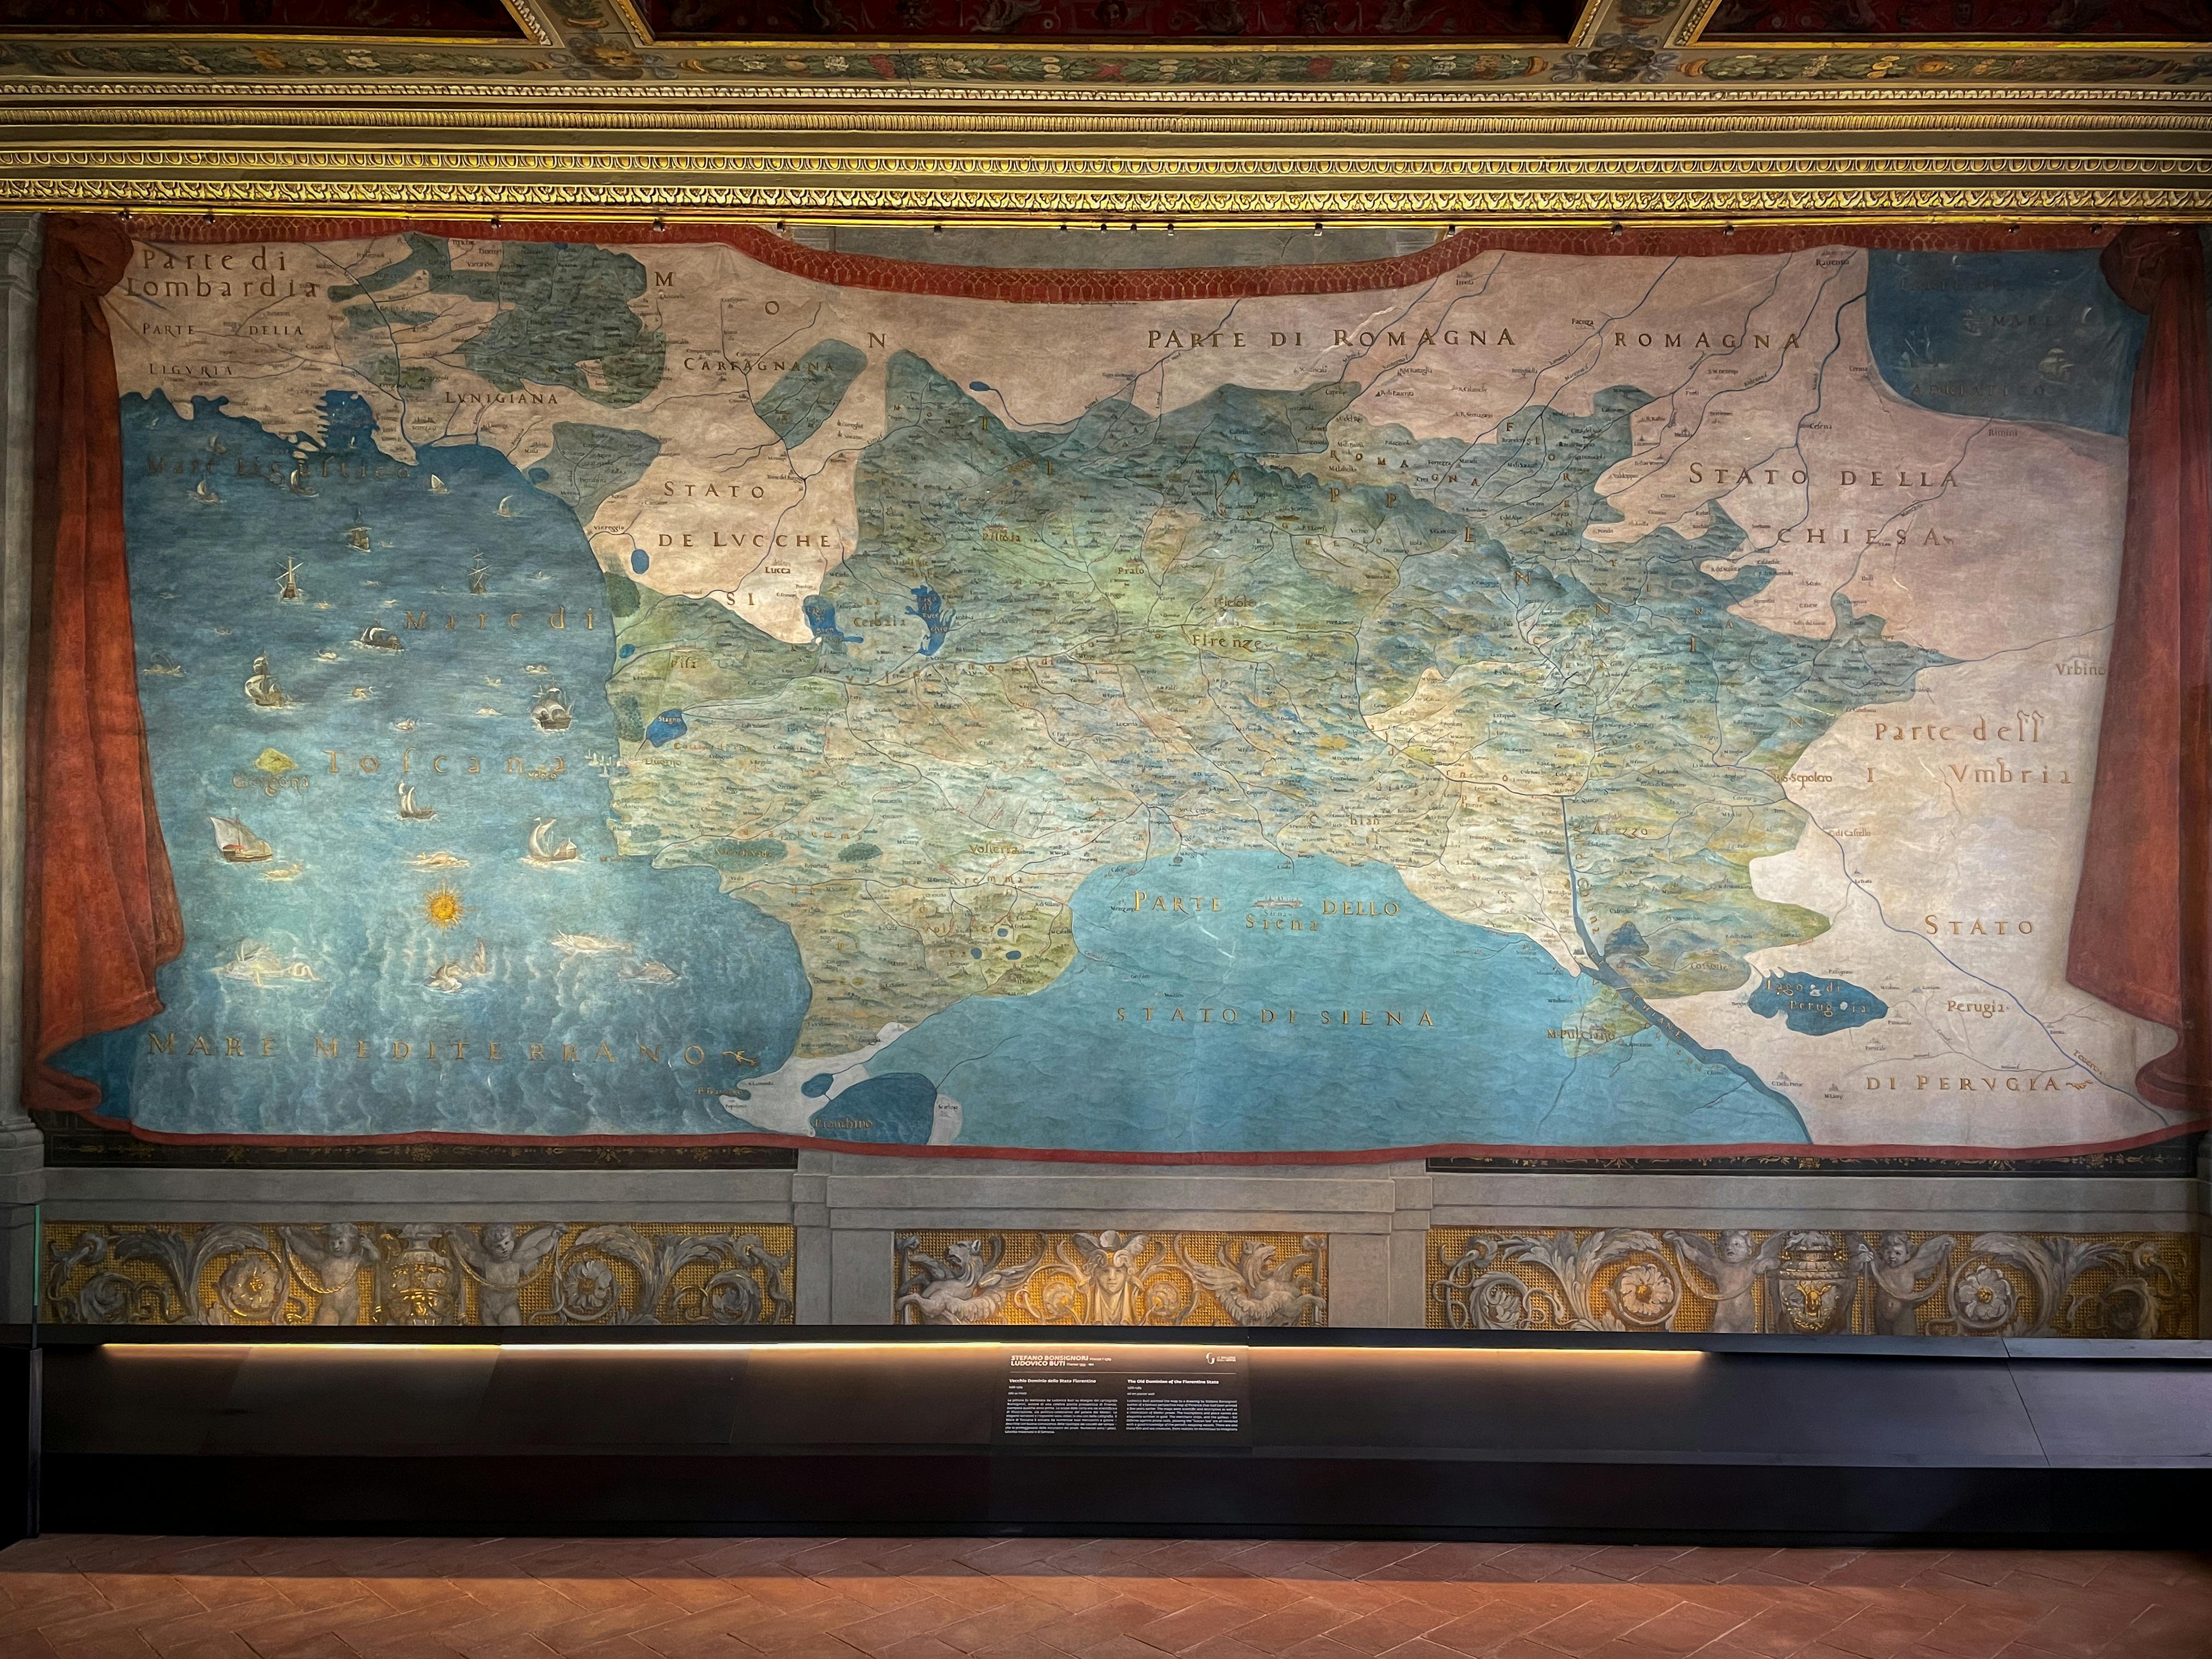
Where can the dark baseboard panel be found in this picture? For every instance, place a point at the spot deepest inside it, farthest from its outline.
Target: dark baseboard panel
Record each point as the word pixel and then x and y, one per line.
pixel 833 1495
pixel 1766 1441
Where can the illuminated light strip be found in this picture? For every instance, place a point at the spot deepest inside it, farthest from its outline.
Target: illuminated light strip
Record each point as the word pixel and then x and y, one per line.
pixel 923 1345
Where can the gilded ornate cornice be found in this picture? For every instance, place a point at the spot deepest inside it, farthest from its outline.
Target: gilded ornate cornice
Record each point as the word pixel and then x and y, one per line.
pixel 1633 116
pixel 1191 188
pixel 461 105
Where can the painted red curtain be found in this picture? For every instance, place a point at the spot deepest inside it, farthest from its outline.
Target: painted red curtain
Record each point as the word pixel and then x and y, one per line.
pixel 99 905
pixel 2142 919
pixel 102 916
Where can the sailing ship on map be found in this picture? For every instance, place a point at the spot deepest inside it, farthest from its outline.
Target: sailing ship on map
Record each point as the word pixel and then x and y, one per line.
pixel 297 483
pixel 438 486
pixel 543 849
pixel 204 492
pixel 357 539
pixel 291 590
pixel 217 446
pixel 262 689
pixel 377 637
pixel 410 806
pixel 237 843
pixel 506 507
pixel 549 712
pixel 478 575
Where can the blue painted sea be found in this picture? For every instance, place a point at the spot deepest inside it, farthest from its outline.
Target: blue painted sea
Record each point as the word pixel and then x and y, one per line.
pixel 376 974
pixel 1241 1001
pixel 2018 336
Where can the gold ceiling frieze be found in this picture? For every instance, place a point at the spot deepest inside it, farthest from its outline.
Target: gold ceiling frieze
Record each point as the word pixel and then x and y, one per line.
pixel 2194 115
pixel 1635 48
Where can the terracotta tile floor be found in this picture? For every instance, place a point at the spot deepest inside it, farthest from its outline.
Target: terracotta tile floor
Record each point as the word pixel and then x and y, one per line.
pixel 186 1598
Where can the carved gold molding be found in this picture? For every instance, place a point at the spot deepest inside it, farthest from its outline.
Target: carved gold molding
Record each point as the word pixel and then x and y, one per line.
pixel 341 102
pixel 1187 208
pixel 533 22
pixel 928 183
pixel 302 161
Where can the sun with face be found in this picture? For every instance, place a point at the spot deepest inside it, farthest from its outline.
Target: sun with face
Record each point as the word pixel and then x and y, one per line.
pixel 442 907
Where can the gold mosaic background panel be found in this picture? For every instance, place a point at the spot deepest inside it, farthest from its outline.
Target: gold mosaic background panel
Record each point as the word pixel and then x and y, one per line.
pixel 1814 1282
pixel 1110 1278
pixel 416 1273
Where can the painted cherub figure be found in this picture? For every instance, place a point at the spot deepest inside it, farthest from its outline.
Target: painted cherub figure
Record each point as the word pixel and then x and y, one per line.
pixel 1896 1269
pixel 331 1268
pixel 1731 1276
pixel 501 1261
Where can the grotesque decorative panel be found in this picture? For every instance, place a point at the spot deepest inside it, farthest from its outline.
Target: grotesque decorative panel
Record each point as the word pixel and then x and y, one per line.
pixel 371 18
pixel 1335 20
pixel 1814 1282
pixel 417 1272
pixel 2180 21
pixel 1111 1278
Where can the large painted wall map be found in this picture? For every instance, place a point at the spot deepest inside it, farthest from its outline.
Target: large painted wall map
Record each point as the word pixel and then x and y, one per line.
pixel 1555 702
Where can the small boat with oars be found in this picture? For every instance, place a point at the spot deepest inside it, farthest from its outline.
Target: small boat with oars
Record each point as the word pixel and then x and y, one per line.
pixel 377 637
pixel 262 689
pixel 549 712
pixel 412 808
pixel 291 590
pixel 237 843
pixel 544 850
pixel 203 492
